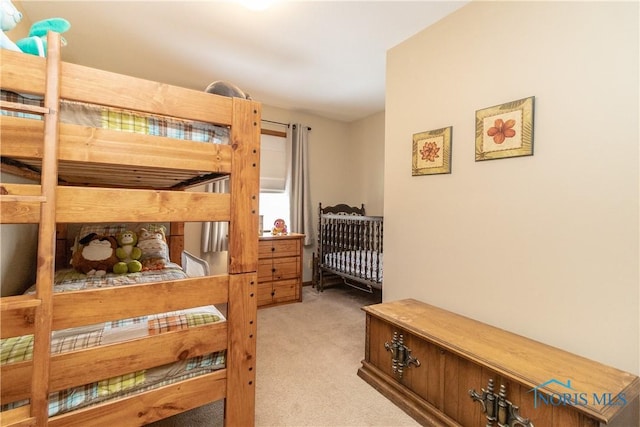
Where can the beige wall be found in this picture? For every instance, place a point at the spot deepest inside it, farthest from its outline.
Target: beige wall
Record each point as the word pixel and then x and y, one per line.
pixel 22 29
pixel 547 245
pixel 366 151
pixel 18 249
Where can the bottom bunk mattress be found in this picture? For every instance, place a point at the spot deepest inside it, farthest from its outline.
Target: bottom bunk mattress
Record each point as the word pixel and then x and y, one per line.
pixel 17 349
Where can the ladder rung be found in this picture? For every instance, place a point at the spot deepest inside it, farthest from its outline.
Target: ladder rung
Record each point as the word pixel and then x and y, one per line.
pixel 16 106
pixel 22 198
pixel 19 302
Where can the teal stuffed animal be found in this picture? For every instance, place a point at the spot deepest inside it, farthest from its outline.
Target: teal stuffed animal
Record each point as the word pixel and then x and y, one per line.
pixel 36 43
pixel 128 253
pixel 9 19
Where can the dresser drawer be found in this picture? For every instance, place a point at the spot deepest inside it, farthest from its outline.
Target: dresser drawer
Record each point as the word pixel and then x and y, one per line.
pixel 265 293
pixel 278 268
pixel 265 270
pixel 278 248
pixel 286 290
pixel 286 268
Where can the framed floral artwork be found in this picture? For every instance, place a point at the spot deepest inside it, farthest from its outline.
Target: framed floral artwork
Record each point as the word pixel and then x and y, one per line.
pixel 432 152
pixel 505 130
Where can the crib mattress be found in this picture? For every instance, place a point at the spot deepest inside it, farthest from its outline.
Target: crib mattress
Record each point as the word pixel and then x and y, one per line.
pixel 362 264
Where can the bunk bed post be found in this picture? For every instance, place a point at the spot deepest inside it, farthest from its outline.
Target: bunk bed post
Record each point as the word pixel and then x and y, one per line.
pixel 46 238
pixel 176 241
pixel 243 263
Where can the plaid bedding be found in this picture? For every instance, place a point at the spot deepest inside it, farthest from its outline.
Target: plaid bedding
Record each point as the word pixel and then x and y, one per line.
pixel 21 348
pixel 72 280
pixel 126 121
pixel 17 349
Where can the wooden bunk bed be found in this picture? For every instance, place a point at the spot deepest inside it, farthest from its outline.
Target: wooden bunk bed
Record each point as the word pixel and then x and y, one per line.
pixel 90 176
pixel 350 248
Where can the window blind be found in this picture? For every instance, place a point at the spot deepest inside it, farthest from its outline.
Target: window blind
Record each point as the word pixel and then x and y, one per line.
pixel 273 164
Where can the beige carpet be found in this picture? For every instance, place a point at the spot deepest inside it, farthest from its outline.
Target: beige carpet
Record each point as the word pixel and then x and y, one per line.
pixel 308 356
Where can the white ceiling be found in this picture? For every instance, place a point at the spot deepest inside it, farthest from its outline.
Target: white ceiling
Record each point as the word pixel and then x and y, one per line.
pixel 320 57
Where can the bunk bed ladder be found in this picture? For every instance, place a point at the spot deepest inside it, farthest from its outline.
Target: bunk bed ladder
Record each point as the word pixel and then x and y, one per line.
pixel 42 303
pixel 46 237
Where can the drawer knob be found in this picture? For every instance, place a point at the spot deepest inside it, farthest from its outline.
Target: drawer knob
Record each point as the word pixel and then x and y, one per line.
pixel 400 355
pixel 496 407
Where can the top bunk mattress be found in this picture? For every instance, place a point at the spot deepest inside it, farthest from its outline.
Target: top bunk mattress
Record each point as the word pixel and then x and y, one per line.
pixel 98 116
pixel 169 153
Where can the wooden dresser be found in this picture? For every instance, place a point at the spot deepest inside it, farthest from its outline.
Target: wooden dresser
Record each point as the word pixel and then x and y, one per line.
pixel 279 269
pixel 445 369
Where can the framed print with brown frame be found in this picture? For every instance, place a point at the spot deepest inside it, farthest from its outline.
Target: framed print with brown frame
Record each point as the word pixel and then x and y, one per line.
pixel 505 130
pixel 432 152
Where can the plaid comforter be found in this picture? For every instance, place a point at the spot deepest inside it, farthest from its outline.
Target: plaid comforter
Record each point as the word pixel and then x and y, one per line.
pixel 17 349
pixel 72 280
pixel 108 118
pixel 21 348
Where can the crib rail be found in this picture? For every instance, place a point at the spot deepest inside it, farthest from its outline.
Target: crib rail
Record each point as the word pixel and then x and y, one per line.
pixel 351 246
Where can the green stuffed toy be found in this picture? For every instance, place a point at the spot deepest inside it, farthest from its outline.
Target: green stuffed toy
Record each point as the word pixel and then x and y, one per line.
pixel 36 43
pixel 128 253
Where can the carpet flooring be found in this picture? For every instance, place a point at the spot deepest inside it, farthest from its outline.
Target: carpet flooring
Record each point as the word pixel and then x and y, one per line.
pixel 308 355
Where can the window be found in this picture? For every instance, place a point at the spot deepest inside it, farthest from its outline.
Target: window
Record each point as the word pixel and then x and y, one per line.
pixel 274 169
pixel 273 163
pixel 272 207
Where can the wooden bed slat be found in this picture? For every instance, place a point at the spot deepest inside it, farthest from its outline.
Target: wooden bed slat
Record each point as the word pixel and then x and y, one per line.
pixel 84 84
pixel 18 315
pixel 19 417
pixel 125 205
pixel 149 406
pixel 23 73
pixel 20 204
pixel 26 73
pixel 67 370
pixel 100 305
pixel 16 381
pixel 22 139
pixel 85 205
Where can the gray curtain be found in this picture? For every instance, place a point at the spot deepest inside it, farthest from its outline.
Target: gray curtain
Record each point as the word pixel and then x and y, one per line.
pixel 301 220
pixel 215 235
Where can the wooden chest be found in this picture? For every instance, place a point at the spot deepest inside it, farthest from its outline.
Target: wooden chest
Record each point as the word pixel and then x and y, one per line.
pixel 446 369
pixel 279 269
